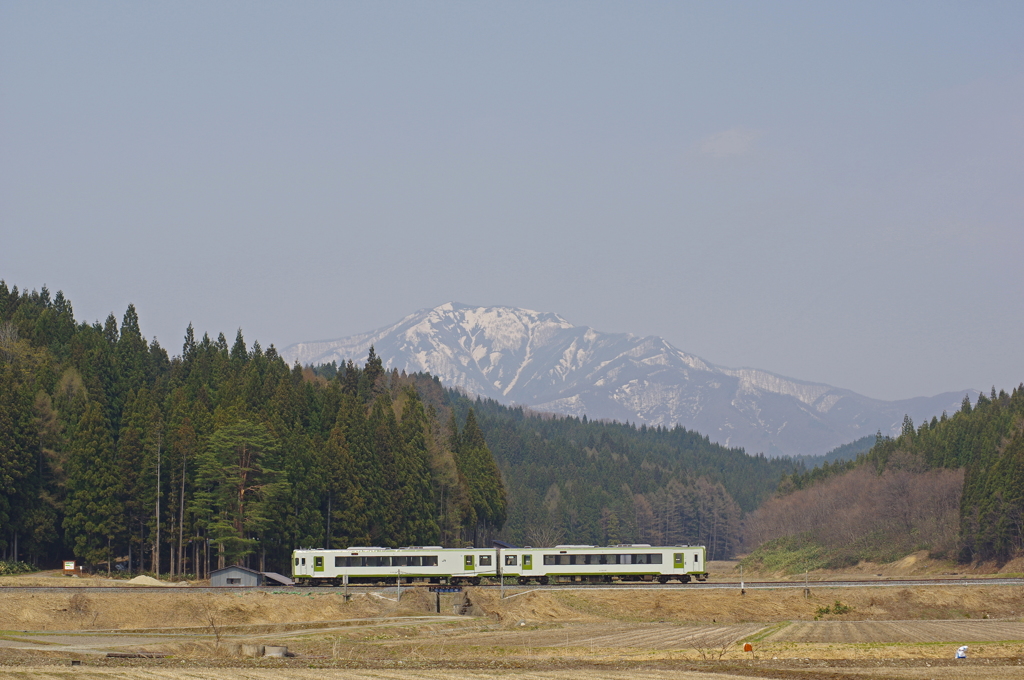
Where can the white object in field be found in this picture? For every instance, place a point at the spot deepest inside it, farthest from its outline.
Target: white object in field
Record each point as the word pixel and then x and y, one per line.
pixel 961 652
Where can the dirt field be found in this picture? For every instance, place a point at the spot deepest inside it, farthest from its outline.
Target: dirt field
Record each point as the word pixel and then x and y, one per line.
pixel 556 635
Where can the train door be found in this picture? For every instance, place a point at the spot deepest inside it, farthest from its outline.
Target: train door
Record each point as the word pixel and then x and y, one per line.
pixel 679 561
pixel 318 563
pixel 527 562
pixel 470 561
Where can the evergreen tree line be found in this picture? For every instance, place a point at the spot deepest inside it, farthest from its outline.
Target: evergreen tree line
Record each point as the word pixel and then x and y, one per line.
pixel 571 480
pixel 115 452
pixel 985 441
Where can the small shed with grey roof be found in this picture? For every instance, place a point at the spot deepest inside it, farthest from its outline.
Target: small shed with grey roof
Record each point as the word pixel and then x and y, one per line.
pixel 236 576
pixel 245 577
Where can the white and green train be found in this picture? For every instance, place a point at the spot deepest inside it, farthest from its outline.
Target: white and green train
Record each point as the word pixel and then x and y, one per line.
pixel 469 566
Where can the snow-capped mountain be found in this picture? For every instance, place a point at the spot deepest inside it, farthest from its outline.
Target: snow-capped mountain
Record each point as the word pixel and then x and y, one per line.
pixel 518 356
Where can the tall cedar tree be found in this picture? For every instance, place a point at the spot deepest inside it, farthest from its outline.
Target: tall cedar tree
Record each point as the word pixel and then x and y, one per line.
pixel 93 516
pixel 477 466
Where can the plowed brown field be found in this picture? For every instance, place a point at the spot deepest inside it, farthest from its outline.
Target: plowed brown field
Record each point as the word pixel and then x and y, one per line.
pixel 685 634
pixel 861 632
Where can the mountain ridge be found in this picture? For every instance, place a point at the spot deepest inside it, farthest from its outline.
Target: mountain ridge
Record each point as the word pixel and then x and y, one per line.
pixel 541 360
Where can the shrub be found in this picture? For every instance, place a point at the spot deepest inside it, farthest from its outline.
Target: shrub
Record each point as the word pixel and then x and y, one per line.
pixel 9 568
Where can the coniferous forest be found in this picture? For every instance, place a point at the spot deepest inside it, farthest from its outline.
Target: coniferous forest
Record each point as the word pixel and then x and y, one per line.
pixel 125 457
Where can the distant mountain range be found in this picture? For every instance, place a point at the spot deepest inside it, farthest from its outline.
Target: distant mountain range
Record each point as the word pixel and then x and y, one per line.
pixel 540 360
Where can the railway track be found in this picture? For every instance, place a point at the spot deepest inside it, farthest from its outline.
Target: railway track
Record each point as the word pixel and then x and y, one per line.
pixel 713 585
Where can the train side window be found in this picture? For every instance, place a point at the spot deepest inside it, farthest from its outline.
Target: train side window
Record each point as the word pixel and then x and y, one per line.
pixel 510 560
pixel 415 561
pixel 430 560
pixel 399 561
pixel 550 559
pixel 339 561
pixel 296 561
pixel 485 560
pixel 655 558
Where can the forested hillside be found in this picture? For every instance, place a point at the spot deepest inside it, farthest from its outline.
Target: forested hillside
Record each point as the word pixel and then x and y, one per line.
pixel 953 485
pixel 574 481
pixel 119 454
pixel 570 480
pixel 839 454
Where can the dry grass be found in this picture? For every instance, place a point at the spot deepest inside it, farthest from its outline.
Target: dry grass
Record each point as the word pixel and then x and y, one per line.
pixel 556 635
pixel 161 609
pixel 71 610
pixel 915 565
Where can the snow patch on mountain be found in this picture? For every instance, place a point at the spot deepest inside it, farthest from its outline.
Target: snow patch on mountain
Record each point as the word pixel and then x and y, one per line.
pixel 541 360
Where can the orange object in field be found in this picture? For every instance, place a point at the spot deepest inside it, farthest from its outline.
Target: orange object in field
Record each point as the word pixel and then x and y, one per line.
pixel 748 647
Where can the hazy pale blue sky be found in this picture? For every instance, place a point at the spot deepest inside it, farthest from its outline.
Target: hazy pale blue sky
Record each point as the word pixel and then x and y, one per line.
pixel 830 191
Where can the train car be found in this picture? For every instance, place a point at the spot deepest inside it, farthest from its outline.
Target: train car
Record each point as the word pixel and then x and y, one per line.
pixel 560 564
pixel 593 564
pixel 370 565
